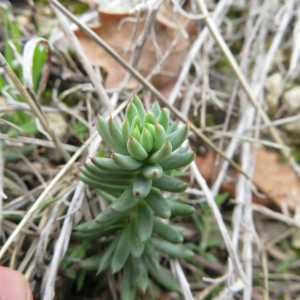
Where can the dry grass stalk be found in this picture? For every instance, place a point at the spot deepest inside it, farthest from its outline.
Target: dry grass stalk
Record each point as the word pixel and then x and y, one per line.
pixel 33 105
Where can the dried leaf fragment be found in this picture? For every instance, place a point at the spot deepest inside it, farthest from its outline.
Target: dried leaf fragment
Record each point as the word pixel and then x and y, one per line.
pixel 119 40
pixel 277 178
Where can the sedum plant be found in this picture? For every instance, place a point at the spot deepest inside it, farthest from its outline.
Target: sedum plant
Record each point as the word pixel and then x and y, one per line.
pixel 133 180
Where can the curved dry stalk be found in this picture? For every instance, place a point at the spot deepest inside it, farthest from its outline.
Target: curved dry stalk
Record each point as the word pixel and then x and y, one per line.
pixel 141 39
pixel 177 269
pixel 28 55
pixel 195 48
pixel 2 195
pixel 294 61
pixel 33 105
pixel 62 243
pixel 215 210
pixel 83 59
pixel 27 140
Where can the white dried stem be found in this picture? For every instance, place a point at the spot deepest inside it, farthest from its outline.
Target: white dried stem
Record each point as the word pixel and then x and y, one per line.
pixel 247 218
pixel 180 276
pixel 28 54
pixel 221 8
pixel 2 195
pixel 45 232
pixel 75 44
pixel 275 215
pixel 20 140
pixel 214 208
pixel 229 153
pixel 218 134
pixel 186 14
pixel 277 122
pixel 142 38
pixel 267 61
pixel 294 61
pixel 62 244
pixel 33 105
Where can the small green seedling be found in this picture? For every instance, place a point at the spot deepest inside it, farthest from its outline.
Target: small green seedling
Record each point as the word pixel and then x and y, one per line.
pixel 133 180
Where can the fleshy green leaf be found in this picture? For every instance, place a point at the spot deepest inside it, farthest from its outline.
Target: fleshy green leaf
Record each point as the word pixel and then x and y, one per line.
pixel 122 250
pixel 155 109
pixel 125 131
pixel 172 249
pixel 173 127
pixel 141 186
pixel 108 255
pixel 146 140
pixel 160 136
pixel 128 282
pixel 175 161
pixel 163 118
pixel 139 106
pixel 158 204
pixel 150 254
pixel 131 112
pixel 137 246
pixel 180 209
pixel 116 135
pixel 136 134
pixel 136 150
pixel 135 123
pixel 149 118
pixel 152 171
pixel 140 272
pixel 166 232
pixel 162 154
pixel 126 162
pixel 164 278
pixel 178 137
pixel 125 202
pixel 170 184
pixel 145 220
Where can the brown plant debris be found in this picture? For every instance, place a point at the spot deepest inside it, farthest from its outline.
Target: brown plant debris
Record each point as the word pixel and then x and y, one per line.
pixel 277 178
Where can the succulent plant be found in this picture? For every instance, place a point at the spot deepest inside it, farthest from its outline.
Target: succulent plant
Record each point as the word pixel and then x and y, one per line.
pixel 133 180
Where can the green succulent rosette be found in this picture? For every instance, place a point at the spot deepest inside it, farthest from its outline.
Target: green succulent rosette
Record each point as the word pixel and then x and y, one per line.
pixel 133 180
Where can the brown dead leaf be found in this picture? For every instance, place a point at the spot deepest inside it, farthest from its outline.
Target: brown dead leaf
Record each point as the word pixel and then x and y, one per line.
pixel 119 40
pixel 277 179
